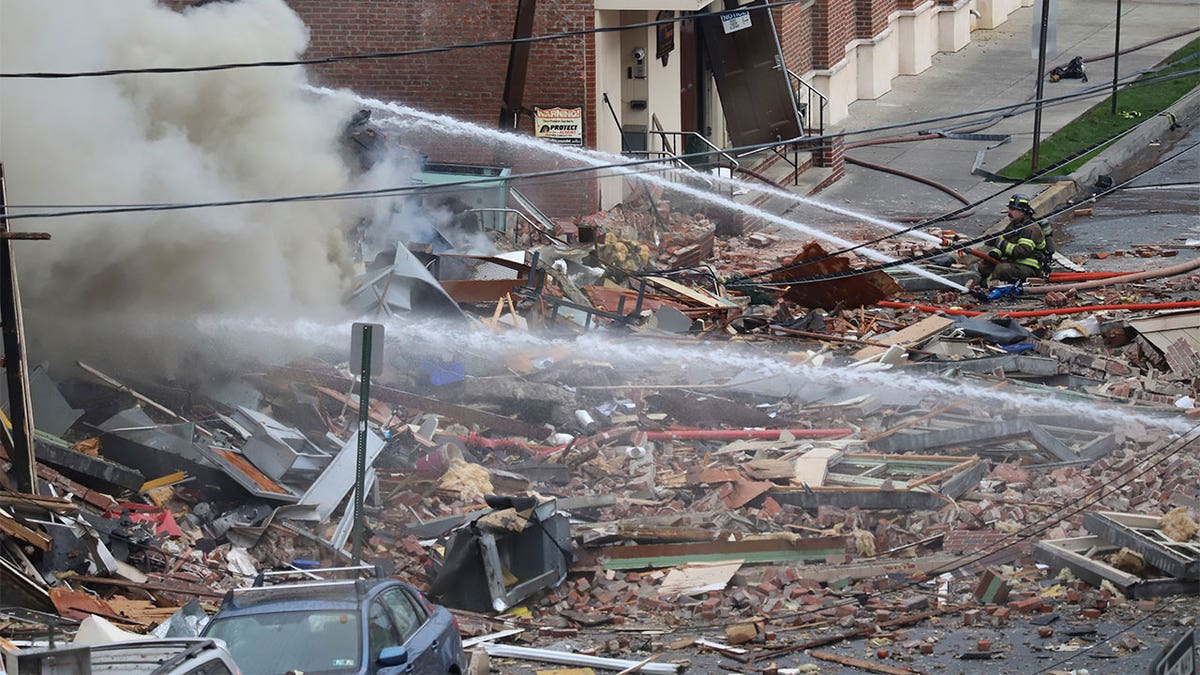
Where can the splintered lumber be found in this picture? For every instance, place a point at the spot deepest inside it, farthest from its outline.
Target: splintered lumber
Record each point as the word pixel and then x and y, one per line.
pixel 573 659
pixel 855 662
pixel 181 588
pixel 12 528
pixel 914 334
pixel 55 504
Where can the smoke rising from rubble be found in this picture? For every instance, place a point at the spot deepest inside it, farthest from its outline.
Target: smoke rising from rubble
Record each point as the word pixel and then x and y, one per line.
pixel 411 218
pixel 122 288
pixel 412 119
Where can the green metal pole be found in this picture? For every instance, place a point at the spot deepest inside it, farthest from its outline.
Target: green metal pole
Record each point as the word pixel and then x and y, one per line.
pixel 360 469
pixel 1041 75
pixel 1116 57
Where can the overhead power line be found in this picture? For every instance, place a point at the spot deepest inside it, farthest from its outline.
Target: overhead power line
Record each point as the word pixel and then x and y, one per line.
pixel 63 75
pixel 396 191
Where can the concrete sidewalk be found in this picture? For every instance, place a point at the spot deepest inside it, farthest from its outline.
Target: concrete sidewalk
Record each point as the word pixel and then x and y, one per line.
pixel 996 69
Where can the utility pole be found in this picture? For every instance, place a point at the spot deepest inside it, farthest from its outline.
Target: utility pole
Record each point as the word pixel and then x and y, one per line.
pixel 19 445
pixel 1116 57
pixel 518 66
pixel 1041 72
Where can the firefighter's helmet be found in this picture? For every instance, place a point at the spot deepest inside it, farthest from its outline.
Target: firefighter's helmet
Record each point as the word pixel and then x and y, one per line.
pixel 1020 203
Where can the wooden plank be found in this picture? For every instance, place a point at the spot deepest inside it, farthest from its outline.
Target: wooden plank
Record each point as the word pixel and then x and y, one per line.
pixel 752 550
pixel 181 588
pixel 55 504
pixel 12 528
pixel 169 479
pixel 911 335
pixel 862 664
pixel 813 466
pixel 702 298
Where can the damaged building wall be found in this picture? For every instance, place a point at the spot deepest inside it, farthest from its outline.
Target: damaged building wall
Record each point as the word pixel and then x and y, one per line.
pixel 560 73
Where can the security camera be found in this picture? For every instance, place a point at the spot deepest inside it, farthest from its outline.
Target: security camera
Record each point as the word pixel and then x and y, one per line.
pixel 639 54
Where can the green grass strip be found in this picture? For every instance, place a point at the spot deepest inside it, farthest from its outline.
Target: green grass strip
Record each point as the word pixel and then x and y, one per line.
pixel 1098 123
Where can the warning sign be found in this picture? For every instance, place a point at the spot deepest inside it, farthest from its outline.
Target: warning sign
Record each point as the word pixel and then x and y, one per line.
pixel 559 125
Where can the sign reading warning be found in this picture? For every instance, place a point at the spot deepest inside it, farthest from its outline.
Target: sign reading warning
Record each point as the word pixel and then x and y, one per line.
pixel 559 125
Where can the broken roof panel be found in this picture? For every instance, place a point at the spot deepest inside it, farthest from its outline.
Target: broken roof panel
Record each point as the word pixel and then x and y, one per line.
pixel 852 291
pixel 1142 534
pixel 1084 556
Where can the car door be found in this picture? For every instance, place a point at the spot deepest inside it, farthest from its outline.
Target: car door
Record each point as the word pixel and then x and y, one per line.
pixel 381 633
pixel 411 619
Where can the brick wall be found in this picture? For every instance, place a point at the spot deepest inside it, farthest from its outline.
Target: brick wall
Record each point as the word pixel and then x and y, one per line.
pixel 832 154
pixel 833 27
pixel 467 84
pixel 871 17
pixel 794 24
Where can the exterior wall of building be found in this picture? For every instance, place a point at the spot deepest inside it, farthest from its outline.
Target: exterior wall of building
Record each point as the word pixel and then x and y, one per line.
pixel 466 84
pixel 846 49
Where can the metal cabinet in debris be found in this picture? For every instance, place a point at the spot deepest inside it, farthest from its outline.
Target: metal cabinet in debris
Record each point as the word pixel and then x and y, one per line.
pixel 500 557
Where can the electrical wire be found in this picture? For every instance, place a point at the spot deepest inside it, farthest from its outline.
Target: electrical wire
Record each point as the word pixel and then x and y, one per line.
pixel 971 205
pixel 958 246
pixel 387 55
pixel 485 182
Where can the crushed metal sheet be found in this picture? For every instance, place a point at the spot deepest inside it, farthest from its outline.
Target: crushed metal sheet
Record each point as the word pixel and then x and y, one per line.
pixel 855 291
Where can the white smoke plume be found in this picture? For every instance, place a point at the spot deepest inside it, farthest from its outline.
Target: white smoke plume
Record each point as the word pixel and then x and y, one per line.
pixel 196 137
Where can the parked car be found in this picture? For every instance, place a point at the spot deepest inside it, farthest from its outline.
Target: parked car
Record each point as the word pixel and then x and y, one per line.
pixel 176 656
pixel 377 625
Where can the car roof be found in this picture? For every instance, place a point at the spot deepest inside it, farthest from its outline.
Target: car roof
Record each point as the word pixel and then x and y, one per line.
pixel 304 596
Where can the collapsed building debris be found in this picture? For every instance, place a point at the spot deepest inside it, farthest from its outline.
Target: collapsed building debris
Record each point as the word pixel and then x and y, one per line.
pixel 548 493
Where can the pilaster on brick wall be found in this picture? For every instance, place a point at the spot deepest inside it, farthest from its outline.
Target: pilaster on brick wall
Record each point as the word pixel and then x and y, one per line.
pixel 833 28
pixel 831 154
pixel 871 17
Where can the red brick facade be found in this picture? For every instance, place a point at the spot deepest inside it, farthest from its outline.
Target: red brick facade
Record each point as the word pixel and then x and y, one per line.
pixel 872 17
pixel 466 83
pixel 469 83
pixel 833 28
pixel 794 23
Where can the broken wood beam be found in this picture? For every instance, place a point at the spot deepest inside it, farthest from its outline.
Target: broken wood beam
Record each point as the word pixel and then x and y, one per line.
pixel 749 550
pixel 182 589
pixel 862 664
pixel 10 526
pixel 41 502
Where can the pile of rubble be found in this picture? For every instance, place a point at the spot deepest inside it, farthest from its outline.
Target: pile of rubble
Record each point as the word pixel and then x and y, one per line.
pixel 572 506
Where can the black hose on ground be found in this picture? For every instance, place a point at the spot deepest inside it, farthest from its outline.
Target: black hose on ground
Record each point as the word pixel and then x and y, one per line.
pixel 920 179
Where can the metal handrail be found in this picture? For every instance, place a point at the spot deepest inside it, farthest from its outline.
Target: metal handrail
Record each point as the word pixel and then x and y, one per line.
pixel 527 219
pixel 728 157
pixel 670 159
pixel 821 97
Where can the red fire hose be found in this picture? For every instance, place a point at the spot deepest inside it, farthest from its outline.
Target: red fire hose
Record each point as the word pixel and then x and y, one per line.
pixel 1043 312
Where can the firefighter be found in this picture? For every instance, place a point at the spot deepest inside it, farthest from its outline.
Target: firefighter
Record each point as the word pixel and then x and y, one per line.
pixel 1021 250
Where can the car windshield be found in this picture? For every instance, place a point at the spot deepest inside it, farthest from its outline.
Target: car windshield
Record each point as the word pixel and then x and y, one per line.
pixel 281 642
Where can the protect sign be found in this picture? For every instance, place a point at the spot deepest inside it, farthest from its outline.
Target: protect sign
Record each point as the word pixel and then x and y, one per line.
pixel 559 125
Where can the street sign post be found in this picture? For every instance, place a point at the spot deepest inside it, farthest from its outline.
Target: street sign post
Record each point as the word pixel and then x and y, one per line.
pixel 366 351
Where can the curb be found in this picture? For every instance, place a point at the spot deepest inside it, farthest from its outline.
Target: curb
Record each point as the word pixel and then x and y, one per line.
pixel 1122 159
